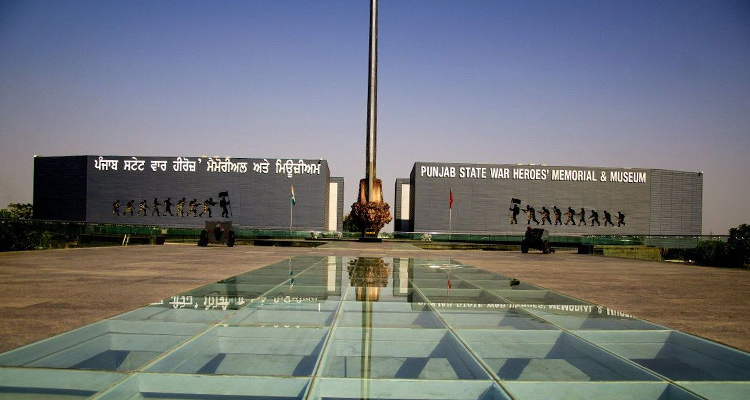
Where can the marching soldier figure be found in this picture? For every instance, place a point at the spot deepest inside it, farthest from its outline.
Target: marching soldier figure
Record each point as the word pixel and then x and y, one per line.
pixel 129 208
pixel 116 208
pixel 155 208
pixel 607 218
pixel 192 208
pixel 224 203
pixel 582 220
pixel 530 215
pixel 207 206
pixel 168 206
pixel 570 214
pixel 180 207
pixel 620 218
pixel 514 217
pixel 594 218
pixel 142 206
pixel 545 215
pixel 558 215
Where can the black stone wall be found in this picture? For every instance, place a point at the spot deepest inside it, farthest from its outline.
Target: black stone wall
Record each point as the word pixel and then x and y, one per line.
pixel 259 190
pixel 60 191
pixel 654 202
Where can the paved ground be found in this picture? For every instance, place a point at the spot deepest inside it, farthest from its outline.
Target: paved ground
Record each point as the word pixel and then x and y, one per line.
pixel 49 292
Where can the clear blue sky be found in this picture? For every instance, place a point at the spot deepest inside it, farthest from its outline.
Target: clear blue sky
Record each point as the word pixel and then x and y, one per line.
pixel 650 84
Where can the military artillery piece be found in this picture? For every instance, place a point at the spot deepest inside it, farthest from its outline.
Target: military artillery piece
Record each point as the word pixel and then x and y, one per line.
pixel 217 232
pixel 536 238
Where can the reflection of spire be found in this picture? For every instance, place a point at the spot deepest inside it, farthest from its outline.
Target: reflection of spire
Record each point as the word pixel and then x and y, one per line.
pixel 367 276
pixel 366 271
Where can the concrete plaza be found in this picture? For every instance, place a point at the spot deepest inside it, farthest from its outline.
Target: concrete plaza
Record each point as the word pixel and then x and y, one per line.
pixel 54 291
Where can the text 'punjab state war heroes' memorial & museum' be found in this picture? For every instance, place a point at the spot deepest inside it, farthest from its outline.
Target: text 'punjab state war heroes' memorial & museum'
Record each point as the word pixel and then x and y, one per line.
pixel 255 193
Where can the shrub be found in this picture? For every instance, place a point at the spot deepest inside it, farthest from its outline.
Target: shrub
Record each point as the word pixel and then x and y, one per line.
pixel 708 252
pixel 738 245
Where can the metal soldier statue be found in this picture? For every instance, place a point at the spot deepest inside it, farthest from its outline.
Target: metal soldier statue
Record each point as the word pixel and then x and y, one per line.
pixel 129 208
pixel 142 206
pixel 530 215
pixel 155 208
pixel 207 206
pixel 594 218
pixel 558 215
pixel 582 220
pixel 545 215
pixel 514 217
pixel 168 206
pixel 570 214
pixel 224 203
pixel 192 208
pixel 620 218
pixel 607 218
pixel 116 208
pixel 180 207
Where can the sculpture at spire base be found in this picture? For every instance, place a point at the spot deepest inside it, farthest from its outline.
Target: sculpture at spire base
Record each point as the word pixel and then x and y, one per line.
pixel 370 216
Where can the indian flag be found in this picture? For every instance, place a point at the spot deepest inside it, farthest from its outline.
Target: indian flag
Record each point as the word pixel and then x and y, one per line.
pixel 294 199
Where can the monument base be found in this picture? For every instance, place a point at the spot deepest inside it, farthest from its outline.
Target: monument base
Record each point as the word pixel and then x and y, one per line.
pixel 370 216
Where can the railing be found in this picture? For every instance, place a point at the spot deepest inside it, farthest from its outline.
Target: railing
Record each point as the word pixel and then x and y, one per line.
pixel 27 234
pixel 192 234
pixel 662 241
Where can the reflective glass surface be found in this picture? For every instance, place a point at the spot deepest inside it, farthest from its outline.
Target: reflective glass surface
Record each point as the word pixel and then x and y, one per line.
pixel 317 327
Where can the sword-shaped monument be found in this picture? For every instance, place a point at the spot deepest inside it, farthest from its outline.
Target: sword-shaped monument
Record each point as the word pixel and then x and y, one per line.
pixel 370 213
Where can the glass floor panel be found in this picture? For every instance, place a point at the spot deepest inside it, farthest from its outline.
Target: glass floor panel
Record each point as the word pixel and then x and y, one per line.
pixel 319 327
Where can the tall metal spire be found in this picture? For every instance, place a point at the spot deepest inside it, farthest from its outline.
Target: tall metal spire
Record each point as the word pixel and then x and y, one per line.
pixel 372 102
pixel 370 213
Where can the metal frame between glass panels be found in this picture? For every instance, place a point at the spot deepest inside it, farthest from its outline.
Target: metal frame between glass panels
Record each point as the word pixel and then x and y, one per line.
pixel 315 327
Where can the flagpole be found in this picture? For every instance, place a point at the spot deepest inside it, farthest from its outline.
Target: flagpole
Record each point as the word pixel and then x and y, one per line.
pixel 450 214
pixel 291 208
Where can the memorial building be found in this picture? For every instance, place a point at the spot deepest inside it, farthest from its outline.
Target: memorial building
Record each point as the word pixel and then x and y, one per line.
pixel 576 201
pixel 253 193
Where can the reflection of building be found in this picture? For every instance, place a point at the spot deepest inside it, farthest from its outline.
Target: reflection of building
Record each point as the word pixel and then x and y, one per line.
pixel 255 193
pixel 640 201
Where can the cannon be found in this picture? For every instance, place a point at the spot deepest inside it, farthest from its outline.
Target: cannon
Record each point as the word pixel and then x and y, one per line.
pixel 217 232
pixel 536 238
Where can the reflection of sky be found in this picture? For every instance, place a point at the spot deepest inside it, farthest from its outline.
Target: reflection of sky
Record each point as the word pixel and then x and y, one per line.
pixel 633 84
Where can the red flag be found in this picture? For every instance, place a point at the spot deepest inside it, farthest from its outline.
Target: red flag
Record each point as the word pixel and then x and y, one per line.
pixel 449 283
pixel 450 202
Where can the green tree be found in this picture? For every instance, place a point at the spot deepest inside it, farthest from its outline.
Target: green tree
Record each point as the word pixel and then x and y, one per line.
pixel 349 225
pixel 15 234
pixel 738 245
pixel 7 237
pixel 709 252
pixel 735 252
pixel 17 211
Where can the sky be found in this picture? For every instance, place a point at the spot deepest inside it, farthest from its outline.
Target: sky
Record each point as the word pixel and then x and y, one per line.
pixel 643 84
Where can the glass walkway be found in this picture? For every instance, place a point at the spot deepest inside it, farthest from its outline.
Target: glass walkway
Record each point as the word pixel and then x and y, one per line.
pixel 374 328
